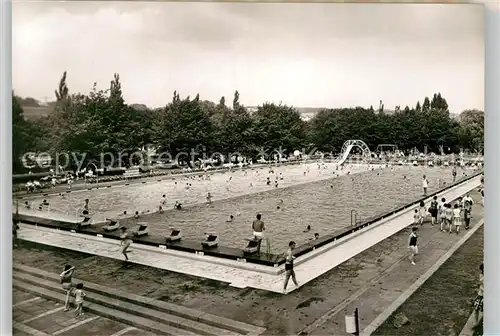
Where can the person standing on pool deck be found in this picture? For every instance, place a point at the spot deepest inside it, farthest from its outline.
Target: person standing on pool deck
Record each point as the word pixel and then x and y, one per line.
pixel 289 272
pixel 412 244
pixel 416 217
pixel 423 212
pixel 425 185
pixel 66 282
pixel 467 214
pixel 258 228
pixel 449 216
pixel 125 243
pixel 454 173
pixel 433 210
pixel 457 220
pixel 442 213
pixel 469 199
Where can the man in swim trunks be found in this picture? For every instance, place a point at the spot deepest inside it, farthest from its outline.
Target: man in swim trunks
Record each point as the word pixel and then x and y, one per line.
pixel 258 228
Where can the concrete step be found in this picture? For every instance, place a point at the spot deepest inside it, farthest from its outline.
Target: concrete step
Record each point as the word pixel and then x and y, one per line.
pixel 116 315
pixel 130 308
pixel 166 307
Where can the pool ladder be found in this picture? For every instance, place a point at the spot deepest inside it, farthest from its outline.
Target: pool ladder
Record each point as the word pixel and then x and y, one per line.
pixel 355 218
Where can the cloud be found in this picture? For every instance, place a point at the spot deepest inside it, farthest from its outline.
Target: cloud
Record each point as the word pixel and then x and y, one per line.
pixel 301 54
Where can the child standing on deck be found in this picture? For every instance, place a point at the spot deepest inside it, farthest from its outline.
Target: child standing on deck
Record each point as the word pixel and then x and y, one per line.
pixel 433 210
pixel 412 244
pixel 457 220
pixel 416 217
pixel 442 213
pixel 423 213
pixel 79 295
pixel 467 215
pixel 449 216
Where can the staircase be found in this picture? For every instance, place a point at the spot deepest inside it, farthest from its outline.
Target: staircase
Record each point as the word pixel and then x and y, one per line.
pixel 158 317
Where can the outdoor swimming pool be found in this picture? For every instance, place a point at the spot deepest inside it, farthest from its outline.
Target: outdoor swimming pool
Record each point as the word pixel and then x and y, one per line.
pixel 325 205
pixel 110 202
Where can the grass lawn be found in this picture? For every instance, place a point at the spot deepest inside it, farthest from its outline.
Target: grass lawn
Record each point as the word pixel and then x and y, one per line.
pixel 443 304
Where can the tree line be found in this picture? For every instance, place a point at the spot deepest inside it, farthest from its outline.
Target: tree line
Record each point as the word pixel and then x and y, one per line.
pixel 102 122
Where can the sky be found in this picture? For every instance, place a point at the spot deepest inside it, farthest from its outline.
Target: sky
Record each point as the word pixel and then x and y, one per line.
pixel 305 55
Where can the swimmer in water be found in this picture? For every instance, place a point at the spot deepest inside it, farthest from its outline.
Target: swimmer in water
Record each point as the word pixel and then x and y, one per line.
pixel 230 219
pixel 308 228
pixel 276 184
pixel 136 215
pixel 268 181
pixel 178 205
pixel 316 236
pixel 209 199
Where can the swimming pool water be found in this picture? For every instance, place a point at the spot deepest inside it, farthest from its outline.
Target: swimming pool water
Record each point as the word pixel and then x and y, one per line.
pixel 325 205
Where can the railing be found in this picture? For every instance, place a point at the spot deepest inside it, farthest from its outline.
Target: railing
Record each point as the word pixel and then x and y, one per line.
pixel 354 214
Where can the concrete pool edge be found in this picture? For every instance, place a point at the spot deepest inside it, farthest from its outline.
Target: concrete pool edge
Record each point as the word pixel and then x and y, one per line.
pixel 240 273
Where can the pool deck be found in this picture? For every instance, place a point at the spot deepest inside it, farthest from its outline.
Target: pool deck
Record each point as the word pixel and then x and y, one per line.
pixel 371 281
pixel 240 273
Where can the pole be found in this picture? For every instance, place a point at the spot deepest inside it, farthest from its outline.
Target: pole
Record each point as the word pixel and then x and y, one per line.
pixel 356 320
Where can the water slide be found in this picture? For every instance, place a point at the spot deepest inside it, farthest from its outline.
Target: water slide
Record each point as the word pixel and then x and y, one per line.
pixel 344 155
pixel 348 146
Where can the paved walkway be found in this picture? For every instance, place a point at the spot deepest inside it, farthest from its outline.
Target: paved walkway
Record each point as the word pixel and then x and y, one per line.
pixel 238 274
pixel 370 281
pixel 387 287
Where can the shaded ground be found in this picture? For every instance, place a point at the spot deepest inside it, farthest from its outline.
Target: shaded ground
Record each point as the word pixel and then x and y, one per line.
pixel 443 304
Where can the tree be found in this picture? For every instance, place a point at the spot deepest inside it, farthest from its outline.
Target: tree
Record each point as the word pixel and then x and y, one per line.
pixel 236 100
pixel 101 121
pixel 426 106
pixel 62 91
pixel 278 128
pixel 472 129
pixel 418 108
pixel 20 135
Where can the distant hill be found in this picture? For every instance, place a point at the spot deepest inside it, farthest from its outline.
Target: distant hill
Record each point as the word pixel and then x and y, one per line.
pixel 36 112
